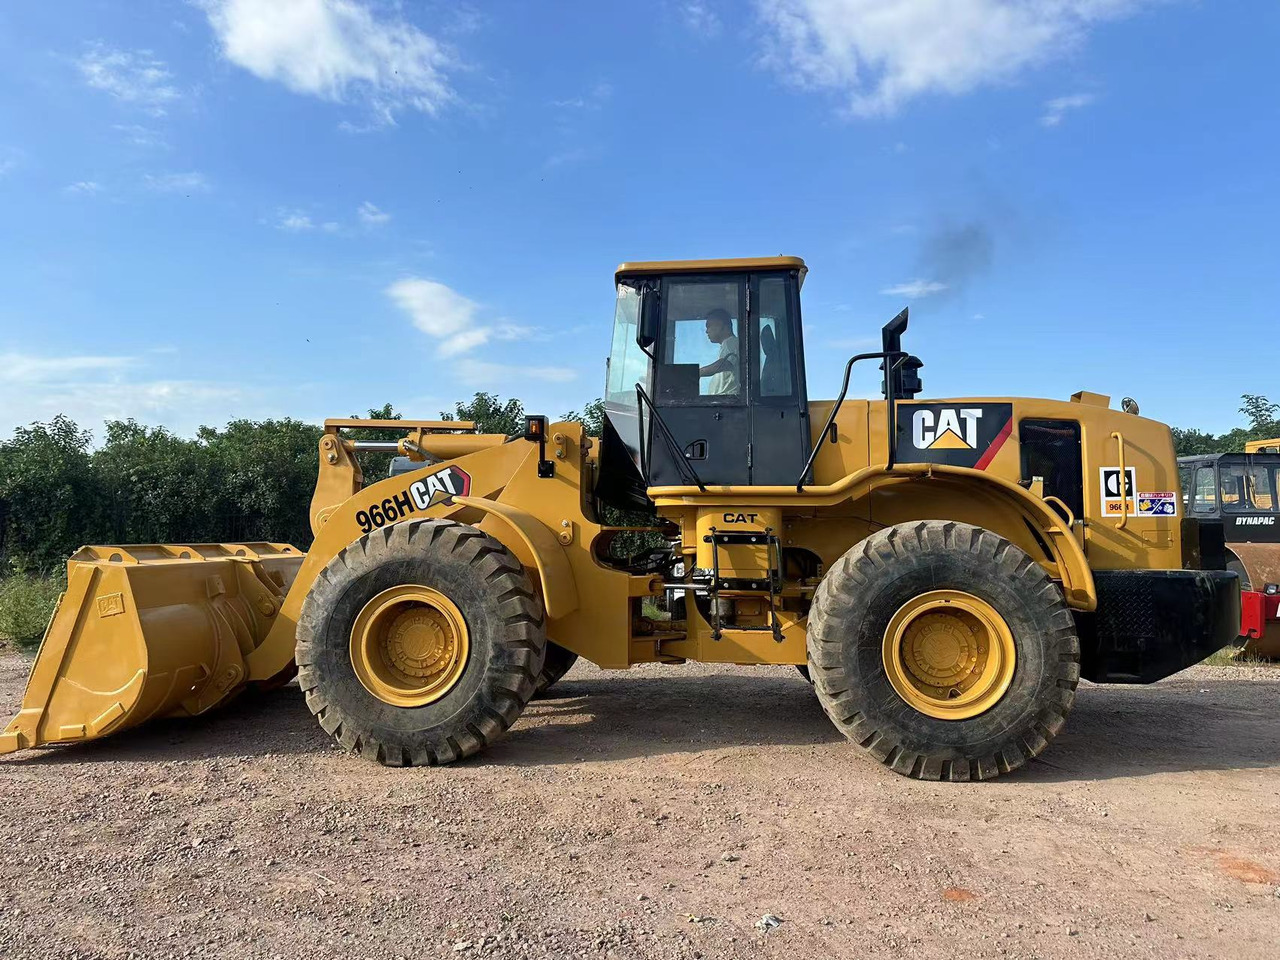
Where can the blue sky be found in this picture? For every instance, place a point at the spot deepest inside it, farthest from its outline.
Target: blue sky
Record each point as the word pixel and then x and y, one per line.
pixel 230 208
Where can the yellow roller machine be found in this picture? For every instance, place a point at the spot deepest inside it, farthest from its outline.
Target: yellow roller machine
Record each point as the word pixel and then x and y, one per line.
pixel 944 570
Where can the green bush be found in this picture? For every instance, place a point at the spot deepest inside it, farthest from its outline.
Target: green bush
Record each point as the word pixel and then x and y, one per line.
pixel 26 604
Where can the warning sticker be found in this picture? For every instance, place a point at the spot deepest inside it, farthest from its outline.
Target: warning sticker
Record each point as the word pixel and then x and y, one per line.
pixel 1162 503
pixel 1113 490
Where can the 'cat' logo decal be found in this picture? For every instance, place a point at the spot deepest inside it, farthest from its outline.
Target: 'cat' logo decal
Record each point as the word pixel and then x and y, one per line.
pixel 423 494
pixel 958 434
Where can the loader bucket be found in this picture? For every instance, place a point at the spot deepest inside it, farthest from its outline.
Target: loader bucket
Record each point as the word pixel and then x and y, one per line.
pixel 149 631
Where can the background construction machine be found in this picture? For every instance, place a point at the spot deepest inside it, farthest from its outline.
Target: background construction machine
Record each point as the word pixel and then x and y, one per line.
pixel 1231 499
pixel 946 569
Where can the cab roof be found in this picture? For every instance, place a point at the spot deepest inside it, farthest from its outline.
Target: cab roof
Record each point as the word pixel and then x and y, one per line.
pixel 739 265
pixel 1235 456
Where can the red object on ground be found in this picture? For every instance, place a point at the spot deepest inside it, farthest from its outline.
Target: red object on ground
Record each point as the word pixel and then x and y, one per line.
pixel 1255 610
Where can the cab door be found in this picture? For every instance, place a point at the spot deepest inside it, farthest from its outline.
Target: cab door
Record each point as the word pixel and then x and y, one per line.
pixel 775 373
pixel 700 383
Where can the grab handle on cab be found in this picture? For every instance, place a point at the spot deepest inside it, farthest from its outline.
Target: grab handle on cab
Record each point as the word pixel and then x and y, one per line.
pixel 1124 483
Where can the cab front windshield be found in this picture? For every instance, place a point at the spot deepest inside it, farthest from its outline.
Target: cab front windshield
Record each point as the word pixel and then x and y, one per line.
pixel 1246 487
pixel 628 364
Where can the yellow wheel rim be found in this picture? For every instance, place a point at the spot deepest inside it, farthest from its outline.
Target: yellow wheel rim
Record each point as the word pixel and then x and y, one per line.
pixel 949 654
pixel 409 645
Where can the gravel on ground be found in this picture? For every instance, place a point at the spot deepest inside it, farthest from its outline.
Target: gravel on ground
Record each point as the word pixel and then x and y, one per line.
pixel 667 811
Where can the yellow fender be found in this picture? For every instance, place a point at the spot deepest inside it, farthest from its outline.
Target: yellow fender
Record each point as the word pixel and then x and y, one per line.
pixel 535 546
pixel 1068 555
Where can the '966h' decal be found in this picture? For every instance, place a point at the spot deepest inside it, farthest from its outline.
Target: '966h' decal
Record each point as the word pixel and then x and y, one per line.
pixel 435 488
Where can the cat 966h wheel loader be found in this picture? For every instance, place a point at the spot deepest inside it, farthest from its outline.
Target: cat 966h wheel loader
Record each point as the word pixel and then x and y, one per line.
pixel 946 570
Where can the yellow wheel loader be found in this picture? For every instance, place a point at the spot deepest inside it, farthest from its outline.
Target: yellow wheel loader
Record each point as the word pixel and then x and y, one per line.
pixel 944 570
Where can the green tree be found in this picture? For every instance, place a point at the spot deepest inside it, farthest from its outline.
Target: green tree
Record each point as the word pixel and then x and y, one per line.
pixel 375 466
pixel 1263 415
pixel 153 486
pixel 263 473
pixel 1189 442
pixel 48 495
pixel 590 416
pixel 490 414
pixel 1264 423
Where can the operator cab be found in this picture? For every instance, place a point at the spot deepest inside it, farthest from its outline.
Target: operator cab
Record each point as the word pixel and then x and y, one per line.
pixel 1232 498
pixel 705 382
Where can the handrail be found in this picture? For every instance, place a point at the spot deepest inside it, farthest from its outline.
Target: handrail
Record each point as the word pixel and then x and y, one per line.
pixel 672 443
pixel 892 360
pixel 1057 501
pixel 1124 483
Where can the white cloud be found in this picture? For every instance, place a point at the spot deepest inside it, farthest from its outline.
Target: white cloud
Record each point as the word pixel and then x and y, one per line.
pixel 90 389
pixel 1058 107
pixel 293 221
pixel 564 158
pixel 451 318
pixel 82 188
pixel 915 289
pixel 700 17
pixel 24 368
pixel 593 99
pixel 440 312
pixel 336 50
pixel 136 78
pixel 515 331
pixel 881 53
pixel 140 136
pixel 481 373
pixel 8 160
pixel 191 182
pixel 371 215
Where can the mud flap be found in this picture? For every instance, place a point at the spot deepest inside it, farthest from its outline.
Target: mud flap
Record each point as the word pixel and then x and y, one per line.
pixel 149 631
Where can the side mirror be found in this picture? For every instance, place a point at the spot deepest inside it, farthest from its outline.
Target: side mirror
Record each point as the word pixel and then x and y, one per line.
pixel 647 332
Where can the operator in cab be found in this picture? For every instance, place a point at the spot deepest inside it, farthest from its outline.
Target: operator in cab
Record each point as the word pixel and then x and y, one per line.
pixel 724 370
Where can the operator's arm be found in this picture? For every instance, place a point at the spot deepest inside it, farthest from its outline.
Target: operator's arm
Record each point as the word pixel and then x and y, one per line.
pixel 716 366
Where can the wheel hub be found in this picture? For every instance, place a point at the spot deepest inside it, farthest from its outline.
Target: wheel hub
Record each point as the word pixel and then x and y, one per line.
pixel 949 654
pixel 409 645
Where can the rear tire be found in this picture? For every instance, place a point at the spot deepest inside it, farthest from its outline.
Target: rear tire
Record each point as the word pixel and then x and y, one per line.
pixel 1236 567
pixel 504 643
pixel 849 642
pixel 555 666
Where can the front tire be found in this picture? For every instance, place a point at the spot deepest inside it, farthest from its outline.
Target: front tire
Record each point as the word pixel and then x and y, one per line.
pixel 420 643
pixel 943 650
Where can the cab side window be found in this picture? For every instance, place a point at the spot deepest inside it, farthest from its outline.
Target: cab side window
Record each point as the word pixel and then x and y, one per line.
pixel 1205 491
pixel 701 355
pixel 1262 488
pixel 773 362
pixel 1234 494
pixel 628 364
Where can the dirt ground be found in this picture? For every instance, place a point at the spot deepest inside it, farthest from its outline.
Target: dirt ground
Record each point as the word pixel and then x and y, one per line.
pixel 656 813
